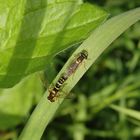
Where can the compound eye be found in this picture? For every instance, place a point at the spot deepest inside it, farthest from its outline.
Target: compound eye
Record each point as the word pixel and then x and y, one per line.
pixel 85 54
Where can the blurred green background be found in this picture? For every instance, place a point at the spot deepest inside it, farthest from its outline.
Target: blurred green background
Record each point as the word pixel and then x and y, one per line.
pixel 115 78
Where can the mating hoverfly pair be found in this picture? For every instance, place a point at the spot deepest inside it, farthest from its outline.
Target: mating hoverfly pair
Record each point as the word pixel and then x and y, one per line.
pixel 54 92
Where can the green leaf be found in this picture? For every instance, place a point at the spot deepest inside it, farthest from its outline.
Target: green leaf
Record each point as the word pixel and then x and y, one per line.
pixel 129 112
pixel 128 88
pixel 16 102
pixel 98 41
pixel 31 33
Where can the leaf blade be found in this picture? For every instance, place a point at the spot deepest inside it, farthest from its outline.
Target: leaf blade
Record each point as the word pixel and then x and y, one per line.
pixel 129 112
pixel 98 39
pixel 41 31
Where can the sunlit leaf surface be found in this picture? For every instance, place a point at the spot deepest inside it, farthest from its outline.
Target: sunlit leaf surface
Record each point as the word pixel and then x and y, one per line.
pixel 32 32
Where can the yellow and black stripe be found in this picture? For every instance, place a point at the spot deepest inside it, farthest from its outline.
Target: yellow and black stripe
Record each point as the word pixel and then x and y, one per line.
pixel 72 68
pixel 54 92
